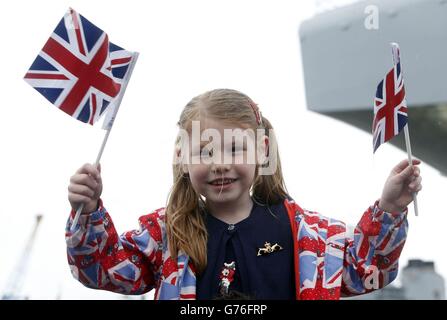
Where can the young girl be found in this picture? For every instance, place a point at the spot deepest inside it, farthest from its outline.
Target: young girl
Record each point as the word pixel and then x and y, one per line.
pixel 230 229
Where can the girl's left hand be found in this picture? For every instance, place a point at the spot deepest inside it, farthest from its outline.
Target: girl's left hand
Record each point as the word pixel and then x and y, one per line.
pixel 402 182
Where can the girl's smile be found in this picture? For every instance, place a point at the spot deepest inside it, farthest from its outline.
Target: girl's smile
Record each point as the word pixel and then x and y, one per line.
pixel 223 184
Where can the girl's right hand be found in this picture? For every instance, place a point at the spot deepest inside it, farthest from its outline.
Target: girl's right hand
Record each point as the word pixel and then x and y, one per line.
pixel 85 187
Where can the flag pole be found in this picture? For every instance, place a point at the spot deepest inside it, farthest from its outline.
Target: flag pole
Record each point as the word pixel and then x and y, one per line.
pixel 108 124
pixel 396 58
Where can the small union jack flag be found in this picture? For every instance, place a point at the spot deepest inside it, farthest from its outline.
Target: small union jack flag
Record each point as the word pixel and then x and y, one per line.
pixel 390 107
pixel 78 69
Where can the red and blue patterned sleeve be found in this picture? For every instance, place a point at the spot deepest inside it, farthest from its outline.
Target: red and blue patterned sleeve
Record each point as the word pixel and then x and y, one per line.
pixel 371 256
pixel 101 259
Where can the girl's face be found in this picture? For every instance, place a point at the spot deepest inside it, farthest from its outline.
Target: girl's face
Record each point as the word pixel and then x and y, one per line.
pixel 221 171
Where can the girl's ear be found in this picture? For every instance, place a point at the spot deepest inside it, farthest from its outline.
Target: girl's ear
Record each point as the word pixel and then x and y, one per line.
pixel 178 154
pixel 263 150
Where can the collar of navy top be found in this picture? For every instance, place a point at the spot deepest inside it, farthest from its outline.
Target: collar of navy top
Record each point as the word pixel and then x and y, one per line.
pixel 219 224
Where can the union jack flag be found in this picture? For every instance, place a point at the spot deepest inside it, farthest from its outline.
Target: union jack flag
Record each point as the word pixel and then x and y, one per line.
pixel 390 107
pixel 78 69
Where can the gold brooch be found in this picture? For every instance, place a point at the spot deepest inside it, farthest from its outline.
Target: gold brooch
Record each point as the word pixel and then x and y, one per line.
pixel 268 248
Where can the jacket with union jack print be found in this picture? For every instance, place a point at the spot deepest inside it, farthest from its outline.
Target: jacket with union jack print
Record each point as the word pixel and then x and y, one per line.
pixel 328 263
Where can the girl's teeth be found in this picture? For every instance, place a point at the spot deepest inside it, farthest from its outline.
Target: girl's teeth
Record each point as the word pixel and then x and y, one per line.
pixel 222 182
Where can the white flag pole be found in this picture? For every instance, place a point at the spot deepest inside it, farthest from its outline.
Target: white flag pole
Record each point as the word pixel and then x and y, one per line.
pixel 108 124
pixel 396 59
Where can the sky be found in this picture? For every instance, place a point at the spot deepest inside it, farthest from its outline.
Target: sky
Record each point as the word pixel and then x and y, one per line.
pixel 186 48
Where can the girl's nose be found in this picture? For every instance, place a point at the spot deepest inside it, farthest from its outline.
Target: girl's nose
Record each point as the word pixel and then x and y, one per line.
pixel 220 168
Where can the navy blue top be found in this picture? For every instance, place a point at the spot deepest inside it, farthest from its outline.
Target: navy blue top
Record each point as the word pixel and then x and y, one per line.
pixel 269 276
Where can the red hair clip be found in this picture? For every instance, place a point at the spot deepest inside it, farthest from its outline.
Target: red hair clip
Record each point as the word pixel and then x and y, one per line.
pixel 255 108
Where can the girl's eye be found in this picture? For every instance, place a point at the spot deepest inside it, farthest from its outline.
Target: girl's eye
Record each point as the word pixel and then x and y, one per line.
pixel 206 152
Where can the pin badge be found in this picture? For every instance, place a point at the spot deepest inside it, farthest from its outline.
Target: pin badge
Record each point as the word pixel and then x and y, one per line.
pixel 227 276
pixel 268 248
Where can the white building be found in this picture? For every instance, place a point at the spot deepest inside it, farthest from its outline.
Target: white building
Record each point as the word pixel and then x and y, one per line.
pixel 420 281
pixel 346 53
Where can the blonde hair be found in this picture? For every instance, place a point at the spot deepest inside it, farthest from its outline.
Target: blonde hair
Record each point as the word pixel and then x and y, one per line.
pixel 185 220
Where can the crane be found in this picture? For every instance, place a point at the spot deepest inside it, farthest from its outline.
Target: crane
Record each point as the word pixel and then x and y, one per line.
pixel 15 281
